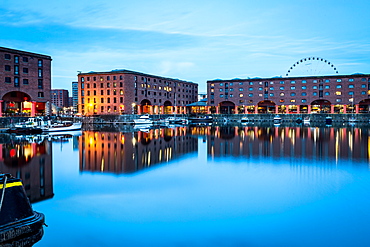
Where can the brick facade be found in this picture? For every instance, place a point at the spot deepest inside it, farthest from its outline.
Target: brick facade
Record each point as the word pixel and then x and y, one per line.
pixel 26 82
pixel 334 94
pixel 127 92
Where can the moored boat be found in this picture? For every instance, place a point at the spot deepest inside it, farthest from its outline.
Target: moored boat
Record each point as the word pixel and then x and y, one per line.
pixel 17 219
pixel 144 119
pixel 62 126
pixel 277 119
pixel 201 119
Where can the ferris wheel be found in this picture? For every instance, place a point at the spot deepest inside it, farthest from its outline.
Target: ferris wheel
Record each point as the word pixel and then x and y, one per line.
pixel 312 66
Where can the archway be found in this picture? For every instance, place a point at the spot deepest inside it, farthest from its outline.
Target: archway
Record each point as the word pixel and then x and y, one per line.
pixel 320 106
pixel 364 106
pixel 227 107
pixel 145 106
pixel 266 106
pixel 167 107
pixel 19 103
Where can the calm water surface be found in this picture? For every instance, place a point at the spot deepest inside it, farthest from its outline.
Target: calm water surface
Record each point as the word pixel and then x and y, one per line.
pixel 198 186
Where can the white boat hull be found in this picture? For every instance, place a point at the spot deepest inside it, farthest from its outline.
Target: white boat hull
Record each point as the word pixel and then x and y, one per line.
pixel 74 126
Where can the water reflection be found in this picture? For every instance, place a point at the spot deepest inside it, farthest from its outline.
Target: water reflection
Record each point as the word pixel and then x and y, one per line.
pixel 28 158
pixel 117 152
pixel 290 142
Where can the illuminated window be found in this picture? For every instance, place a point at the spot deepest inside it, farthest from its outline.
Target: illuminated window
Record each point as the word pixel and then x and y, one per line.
pixel 241 95
pixel 338 93
pixel 292 100
pixel 339 80
pixel 282 94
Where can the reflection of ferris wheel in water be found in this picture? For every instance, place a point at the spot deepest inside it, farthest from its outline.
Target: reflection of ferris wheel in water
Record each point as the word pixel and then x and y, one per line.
pixel 312 66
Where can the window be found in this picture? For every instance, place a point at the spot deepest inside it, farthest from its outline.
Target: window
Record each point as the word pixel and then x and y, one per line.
pixel 338 100
pixel 250 95
pixel 7 56
pixel 339 80
pixel 292 88
pixel 304 81
pixel 271 88
pixel 16 81
pixel 304 87
pixel 40 84
pixel 40 94
pixel 282 88
pixel 241 95
pixel 16 59
pixel 25 81
pixel 250 89
pixel 240 83
pixel 314 87
pixel 327 87
pixel 327 80
pixel 363 86
pixel 221 95
pixel 221 84
pixel 292 94
pixel 338 93
pixel 260 88
pixel 282 82
pixel 221 90
pixel 339 86
pixel 241 89
pixel 39 63
pixel 25 59
pixel 7 68
pixel 314 81
pixel 314 93
pixel 282 94
pixel 40 73
pixel 271 94
pixel 16 70
pixel 327 93
pixel 251 83
pixel 351 86
pixel 25 70
pixel 304 94
pixel 304 100
pixel 350 79
pixel 292 82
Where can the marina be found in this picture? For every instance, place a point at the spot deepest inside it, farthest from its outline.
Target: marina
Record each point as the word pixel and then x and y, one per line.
pixel 241 176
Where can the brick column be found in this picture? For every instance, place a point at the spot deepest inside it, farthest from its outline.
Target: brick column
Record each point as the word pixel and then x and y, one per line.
pixel 344 108
pixel 331 109
pixel 287 109
pixel 298 110
pixel 1 109
pixel 276 109
pixel 245 110
pixel 357 108
pixel 309 109
pixel 33 109
pixel 256 109
pixel 236 110
pixel 217 109
pixel 138 109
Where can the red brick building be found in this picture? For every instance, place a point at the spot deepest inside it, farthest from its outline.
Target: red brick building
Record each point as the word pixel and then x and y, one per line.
pixel 314 94
pixel 60 97
pixel 26 82
pixel 127 92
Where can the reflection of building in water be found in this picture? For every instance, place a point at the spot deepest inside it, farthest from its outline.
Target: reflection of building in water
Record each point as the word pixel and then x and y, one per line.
pixel 292 142
pixel 118 152
pixel 32 162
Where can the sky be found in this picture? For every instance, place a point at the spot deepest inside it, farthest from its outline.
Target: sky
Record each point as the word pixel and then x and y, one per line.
pixel 190 40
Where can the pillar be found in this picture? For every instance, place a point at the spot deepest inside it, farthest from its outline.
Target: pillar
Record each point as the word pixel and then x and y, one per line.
pixel 1 109
pixel 309 109
pixel 208 109
pixel 151 110
pixel 236 110
pixel 344 108
pixel 161 109
pixel 33 109
pixel 276 109
pixel 217 109
pixel 138 109
pixel 245 109
pixel 331 109
pixel 298 109
pixel 357 108
pixel 256 109
pixel 287 109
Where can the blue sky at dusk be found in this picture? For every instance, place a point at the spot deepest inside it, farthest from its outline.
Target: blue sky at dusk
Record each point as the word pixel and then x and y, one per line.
pixel 190 40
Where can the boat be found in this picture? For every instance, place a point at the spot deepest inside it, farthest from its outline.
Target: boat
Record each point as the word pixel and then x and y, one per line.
pixel 62 126
pixel 244 120
pixel 328 120
pixel 306 120
pixel 25 130
pixel 299 120
pixel 277 119
pixel 17 219
pixel 175 120
pixel 201 119
pixel 144 119
pixel 33 122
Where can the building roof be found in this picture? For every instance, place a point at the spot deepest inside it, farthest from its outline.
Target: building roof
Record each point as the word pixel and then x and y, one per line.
pixel 125 71
pixel 26 53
